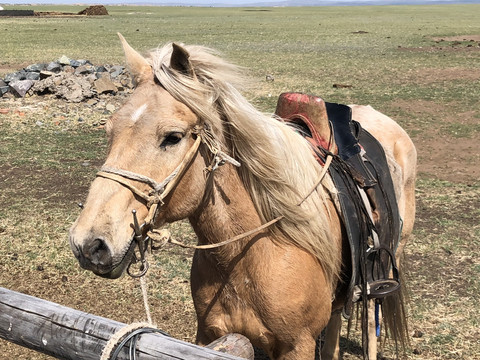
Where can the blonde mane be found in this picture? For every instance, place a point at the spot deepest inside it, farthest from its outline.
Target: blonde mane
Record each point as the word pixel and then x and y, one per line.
pixel 278 169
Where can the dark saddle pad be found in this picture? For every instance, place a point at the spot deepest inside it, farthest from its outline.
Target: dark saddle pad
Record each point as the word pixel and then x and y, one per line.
pixel 366 194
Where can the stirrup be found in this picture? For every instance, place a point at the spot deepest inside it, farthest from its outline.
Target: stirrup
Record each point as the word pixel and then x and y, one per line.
pixel 381 288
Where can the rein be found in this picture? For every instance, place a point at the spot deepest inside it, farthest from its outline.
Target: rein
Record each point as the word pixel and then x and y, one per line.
pixel 162 236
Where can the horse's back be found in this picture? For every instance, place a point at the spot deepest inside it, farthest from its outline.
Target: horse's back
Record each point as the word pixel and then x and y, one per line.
pixel 389 133
pixel 401 156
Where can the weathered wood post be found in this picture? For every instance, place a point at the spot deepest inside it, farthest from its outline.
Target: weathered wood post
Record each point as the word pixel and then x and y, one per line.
pixel 67 333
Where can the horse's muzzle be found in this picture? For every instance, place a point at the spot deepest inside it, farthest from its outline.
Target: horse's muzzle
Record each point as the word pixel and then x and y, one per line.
pixel 95 255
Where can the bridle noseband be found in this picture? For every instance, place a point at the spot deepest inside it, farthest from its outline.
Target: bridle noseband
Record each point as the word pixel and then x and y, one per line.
pixel 154 198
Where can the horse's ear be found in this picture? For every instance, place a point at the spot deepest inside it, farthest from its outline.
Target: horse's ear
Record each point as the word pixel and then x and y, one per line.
pixel 136 63
pixel 180 61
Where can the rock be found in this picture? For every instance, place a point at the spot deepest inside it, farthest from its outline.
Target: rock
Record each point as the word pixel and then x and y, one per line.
pixel 57 80
pixel 45 74
pixel 417 334
pixel 116 71
pixel 21 87
pixel 99 75
pixel 75 94
pixel 110 108
pixel 100 69
pixel 85 69
pixel 75 63
pixel 91 78
pixel 54 67
pixel 84 62
pixel 74 89
pixel 127 82
pixel 69 69
pixel 19 75
pixel 33 76
pixel 91 102
pixel 64 60
pixel 105 86
pixel 35 68
pixel 4 90
pixel 100 104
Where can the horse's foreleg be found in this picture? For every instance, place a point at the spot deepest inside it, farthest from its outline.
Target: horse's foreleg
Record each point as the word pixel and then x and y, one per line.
pixel 304 348
pixel 205 335
pixel 202 338
pixel 372 331
pixel 331 347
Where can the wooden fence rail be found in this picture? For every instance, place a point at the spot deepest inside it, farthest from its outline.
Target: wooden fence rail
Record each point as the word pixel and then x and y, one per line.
pixel 66 333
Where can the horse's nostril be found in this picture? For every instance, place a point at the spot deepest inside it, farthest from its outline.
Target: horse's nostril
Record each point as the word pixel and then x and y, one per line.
pixel 97 252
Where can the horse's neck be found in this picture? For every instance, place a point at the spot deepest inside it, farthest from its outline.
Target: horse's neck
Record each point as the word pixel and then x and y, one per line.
pixel 227 210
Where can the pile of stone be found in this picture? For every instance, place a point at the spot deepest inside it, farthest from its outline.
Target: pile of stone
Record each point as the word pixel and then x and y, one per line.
pixel 71 80
pixel 89 11
pixel 94 10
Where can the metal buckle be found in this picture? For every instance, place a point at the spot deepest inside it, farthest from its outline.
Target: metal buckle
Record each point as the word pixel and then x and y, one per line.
pixel 142 241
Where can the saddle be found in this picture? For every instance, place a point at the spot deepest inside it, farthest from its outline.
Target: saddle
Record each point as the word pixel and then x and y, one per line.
pixel 366 194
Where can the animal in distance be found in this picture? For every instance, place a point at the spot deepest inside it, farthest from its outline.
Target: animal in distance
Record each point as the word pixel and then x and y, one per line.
pixel 281 286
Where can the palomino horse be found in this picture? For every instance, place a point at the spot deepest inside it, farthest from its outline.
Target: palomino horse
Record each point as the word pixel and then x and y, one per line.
pixel 166 146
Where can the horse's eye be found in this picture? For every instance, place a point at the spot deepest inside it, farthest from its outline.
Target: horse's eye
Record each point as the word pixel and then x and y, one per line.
pixel 171 139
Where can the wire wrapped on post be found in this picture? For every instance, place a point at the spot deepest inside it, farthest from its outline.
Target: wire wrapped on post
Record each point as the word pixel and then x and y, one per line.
pixel 129 333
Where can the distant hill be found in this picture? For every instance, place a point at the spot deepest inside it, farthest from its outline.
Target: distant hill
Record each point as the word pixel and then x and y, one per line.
pixel 252 3
pixel 287 3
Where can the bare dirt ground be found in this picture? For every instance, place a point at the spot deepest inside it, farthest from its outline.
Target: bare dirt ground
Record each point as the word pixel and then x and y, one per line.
pixel 474 37
pixel 441 154
pixel 449 149
pixel 8 68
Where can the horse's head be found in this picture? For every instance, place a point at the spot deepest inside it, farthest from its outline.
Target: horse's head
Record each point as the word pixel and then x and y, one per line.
pixel 152 135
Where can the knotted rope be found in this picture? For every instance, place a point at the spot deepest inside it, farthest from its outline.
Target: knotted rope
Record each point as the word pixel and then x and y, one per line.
pixel 131 333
